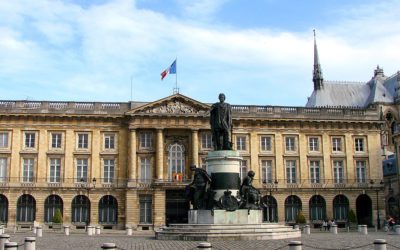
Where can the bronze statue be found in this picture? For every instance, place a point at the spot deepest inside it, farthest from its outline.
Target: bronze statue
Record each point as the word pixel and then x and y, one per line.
pixel 221 124
pixel 249 194
pixel 198 188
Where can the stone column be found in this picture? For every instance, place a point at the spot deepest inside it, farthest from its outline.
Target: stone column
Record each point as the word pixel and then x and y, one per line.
pixel 160 153
pixel 132 155
pixel 195 147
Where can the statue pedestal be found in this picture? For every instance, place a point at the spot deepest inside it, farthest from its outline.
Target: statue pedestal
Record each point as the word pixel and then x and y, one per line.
pixel 224 167
pixel 241 216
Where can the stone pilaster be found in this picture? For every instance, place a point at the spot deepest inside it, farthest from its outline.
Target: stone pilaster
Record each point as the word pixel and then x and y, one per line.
pixel 160 154
pixel 195 146
pixel 159 208
pixel 132 208
pixel 132 154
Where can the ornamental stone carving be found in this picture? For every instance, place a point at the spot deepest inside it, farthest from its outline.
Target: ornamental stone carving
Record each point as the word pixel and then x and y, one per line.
pixel 174 107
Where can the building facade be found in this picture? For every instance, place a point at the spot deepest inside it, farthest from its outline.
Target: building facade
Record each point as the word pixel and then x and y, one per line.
pixel 118 164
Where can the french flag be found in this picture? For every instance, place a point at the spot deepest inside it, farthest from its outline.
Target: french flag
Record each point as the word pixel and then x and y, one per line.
pixel 170 70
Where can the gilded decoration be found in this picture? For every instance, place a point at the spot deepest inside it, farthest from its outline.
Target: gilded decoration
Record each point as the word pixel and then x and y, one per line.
pixel 174 107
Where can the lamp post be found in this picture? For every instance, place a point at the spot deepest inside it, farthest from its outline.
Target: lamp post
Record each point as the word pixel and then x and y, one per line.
pixel 87 186
pixel 378 219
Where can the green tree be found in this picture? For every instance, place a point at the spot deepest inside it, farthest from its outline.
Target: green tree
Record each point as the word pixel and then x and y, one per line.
pixel 300 219
pixel 352 216
pixel 57 218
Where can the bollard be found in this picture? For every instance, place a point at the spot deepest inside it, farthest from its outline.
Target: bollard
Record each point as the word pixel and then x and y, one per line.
pixel 128 231
pixel 306 229
pixel 363 229
pixel 1 229
pixel 295 245
pixel 34 230
pixel 110 246
pixel 39 232
pixel 89 230
pixel 397 229
pixel 3 239
pixel 380 244
pixel 98 230
pixel 11 245
pixel 66 230
pixel 204 245
pixel 334 229
pixel 30 243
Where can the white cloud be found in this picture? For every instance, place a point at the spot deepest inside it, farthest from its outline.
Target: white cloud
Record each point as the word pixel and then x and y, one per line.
pixel 93 52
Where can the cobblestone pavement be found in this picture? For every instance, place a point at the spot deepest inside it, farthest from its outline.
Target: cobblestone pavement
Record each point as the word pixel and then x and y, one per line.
pixel 317 240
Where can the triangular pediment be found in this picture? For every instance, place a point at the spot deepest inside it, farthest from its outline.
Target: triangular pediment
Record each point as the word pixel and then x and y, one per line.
pixel 176 104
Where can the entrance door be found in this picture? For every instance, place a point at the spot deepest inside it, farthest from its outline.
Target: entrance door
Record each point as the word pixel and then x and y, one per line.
pixel 364 210
pixel 177 207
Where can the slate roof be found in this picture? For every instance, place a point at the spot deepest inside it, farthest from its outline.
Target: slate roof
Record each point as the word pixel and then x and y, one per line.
pixel 380 89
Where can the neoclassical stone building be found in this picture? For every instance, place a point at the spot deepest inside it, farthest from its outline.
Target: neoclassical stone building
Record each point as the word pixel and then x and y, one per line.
pixel 127 163
pixel 117 164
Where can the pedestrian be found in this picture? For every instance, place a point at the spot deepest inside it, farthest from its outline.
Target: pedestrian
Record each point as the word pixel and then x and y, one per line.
pixel 329 225
pixel 324 225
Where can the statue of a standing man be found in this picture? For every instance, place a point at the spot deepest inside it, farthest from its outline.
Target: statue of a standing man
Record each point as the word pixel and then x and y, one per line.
pixel 221 124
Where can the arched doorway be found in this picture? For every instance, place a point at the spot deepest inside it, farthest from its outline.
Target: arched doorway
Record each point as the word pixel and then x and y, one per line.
pixel 3 209
pixel 26 208
pixel 80 210
pixel 340 209
pixel 51 204
pixel 317 207
pixel 364 210
pixel 270 209
pixel 108 210
pixel 292 208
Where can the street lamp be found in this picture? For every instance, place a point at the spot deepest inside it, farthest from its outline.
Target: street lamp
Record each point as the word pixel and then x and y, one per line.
pixel 378 219
pixel 87 185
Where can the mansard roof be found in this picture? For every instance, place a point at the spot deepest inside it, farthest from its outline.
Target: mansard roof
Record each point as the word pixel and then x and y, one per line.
pixel 380 89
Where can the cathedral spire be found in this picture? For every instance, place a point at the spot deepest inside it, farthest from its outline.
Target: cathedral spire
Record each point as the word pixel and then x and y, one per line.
pixel 317 72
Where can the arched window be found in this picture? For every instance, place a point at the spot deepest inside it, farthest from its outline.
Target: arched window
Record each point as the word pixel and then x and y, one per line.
pixel 317 208
pixel 176 160
pixel 80 209
pixel 51 203
pixel 292 208
pixel 340 208
pixel 26 208
pixel 108 208
pixel 270 208
pixel 3 209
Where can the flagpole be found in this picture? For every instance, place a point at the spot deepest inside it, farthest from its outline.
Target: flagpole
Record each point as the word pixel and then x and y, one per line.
pixel 176 75
pixel 131 87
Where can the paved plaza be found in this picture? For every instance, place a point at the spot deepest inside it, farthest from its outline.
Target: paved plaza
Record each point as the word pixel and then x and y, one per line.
pixel 78 240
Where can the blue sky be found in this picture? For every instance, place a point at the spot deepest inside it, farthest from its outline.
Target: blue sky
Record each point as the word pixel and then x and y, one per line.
pixel 257 52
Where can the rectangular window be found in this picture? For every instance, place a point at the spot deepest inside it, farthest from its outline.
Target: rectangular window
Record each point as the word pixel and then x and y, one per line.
pixel 30 140
pixel 56 139
pixel 266 169
pixel 109 168
pixel 3 140
pixel 313 144
pixel 206 141
pixel 266 143
pixel 145 169
pixel 243 169
pixel 146 140
pixel 145 202
pixel 314 172
pixel 109 141
pixel 337 144
pixel 3 169
pixel 241 143
pixel 83 141
pixel 359 144
pixel 27 172
pixel 55 170
pixel 291 171
pixel 81 170
pixel 338 174
pixel 361 171
pixel 290 143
